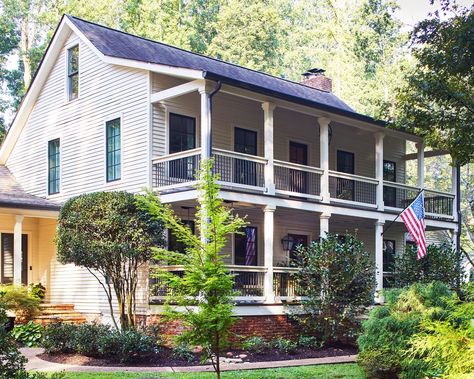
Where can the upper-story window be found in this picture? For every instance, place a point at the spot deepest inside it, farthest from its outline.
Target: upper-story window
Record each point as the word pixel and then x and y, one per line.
pixel 113 149
pixel 73 72
pixel 53 167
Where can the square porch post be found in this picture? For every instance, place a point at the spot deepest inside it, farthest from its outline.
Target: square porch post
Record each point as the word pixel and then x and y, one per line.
pixel 420 180
pixel 269 213
pixel 17 249
pixel 379 169
pixel 268 109
pixel 324 224
pixel 324 157
pixel 379 260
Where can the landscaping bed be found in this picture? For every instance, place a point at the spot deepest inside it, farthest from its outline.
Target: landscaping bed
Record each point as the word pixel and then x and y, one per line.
pixel 165 357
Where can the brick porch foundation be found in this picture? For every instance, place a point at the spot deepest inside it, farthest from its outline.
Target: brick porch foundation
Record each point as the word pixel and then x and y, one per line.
pixel 268 327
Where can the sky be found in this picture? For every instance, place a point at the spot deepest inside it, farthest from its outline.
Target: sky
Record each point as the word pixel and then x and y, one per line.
pixel 413 11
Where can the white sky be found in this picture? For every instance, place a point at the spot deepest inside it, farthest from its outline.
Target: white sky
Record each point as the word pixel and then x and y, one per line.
pixel 413 11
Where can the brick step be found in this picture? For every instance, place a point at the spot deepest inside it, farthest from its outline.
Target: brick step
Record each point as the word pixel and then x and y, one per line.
pixel 67 319
pixel 45 306
pixel 48 311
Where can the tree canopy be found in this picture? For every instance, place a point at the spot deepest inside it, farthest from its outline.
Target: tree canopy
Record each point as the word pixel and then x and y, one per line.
pixel 437 100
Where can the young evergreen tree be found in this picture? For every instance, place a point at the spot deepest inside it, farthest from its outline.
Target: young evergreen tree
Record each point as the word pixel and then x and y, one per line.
pixel 204 292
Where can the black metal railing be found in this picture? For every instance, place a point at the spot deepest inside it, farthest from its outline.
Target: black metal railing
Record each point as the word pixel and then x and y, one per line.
pixel 237 169
pixel 248 283
pixel 168 171
pixel 285 284
pixel 297 180
pixel 400 196
pixel 353 189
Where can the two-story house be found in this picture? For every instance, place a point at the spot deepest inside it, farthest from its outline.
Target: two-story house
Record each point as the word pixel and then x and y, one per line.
pixel 111 111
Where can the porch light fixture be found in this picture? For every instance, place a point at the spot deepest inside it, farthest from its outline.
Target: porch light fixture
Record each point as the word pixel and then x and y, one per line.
pixel 287 242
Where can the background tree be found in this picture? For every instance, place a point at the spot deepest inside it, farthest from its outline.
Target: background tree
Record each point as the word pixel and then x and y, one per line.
pixel 436 102
pixel 204 293
pixel 108 235
pixel 338 279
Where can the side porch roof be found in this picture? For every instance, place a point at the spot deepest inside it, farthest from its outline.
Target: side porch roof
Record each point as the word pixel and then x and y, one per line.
pixel 12 195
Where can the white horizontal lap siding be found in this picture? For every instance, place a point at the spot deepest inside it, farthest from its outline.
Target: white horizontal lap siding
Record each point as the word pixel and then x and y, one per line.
pixel 295 127
pixel 188 105
pixel 229 112
pixel 105 91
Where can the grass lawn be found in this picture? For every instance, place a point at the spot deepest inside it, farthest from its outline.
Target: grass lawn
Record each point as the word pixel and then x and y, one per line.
pixel 339 371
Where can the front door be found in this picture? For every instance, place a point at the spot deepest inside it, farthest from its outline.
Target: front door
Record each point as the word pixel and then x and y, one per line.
pixel 245 141
pixel 345 187
pixel 298 178
pixel 182 137
pixel 7 258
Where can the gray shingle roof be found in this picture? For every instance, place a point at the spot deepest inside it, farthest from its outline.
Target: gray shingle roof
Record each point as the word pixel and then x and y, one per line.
pixel 118 44
pixel 12 195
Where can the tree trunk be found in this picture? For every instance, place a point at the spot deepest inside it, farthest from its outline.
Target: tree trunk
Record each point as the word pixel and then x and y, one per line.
pixel 24 53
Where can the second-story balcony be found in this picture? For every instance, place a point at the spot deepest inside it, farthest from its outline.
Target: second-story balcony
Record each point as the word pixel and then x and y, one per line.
pixel 244 172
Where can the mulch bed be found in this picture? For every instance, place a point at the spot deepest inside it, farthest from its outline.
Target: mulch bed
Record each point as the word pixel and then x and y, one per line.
pixel 164 357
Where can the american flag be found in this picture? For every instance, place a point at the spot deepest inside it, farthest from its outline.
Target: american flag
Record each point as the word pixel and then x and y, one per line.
pixel 414 218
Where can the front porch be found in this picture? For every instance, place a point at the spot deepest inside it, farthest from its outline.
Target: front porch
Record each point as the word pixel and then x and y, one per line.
pixel 261 261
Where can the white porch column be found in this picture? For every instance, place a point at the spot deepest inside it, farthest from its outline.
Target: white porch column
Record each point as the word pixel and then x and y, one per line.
pixel 454 190
pixel 268 109
pixel 324 224
pixel 379 260
pixel 379 169
pixel 205 124
pixel 324 156
pixel 269 212
pixel 17 250
pixel 420 182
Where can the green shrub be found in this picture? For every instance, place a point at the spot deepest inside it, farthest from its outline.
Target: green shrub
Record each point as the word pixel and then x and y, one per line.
pixel 255 345
pixel 127 345
pixel 422 331
pixel 441 263
pixel 182 352
pixel 344 273
pixel 59 338
pixel 284 346
pixel 29 334
pixel 18 300
pixel 309 342
pixel 37 290
pixel 87 338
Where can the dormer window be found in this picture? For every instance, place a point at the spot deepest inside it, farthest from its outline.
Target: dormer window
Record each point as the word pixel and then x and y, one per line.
pixel 73 72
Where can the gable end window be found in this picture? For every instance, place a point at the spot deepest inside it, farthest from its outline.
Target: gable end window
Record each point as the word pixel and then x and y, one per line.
pixel 53 166
pixel 113 149
pixel 73 72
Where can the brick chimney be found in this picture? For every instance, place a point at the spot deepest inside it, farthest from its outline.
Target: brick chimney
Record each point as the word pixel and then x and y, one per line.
pixel 315 78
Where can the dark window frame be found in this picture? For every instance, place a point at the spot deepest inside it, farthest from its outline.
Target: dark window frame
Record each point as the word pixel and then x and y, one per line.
pixel 54 169
pixel 24 260
pixel 171 116
pixel 248 132
pixel 390 193
pixel 244 236
pixel 387 272
pixel 73 73
pixel 112 152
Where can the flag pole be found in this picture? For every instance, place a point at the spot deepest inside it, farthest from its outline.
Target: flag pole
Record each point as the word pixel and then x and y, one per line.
pixel 398 215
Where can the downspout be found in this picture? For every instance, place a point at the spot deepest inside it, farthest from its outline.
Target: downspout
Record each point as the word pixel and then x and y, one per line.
pixel 458 205
pixel 209 106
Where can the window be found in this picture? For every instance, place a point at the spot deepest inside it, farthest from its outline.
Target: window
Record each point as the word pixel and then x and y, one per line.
pixel 174 244
pixel 245 141
pixel 113 149
pixel 182 133
pixel 388 261
pixel 53 166
pixel 389 193
pixel 298 240
pixel 246 247
pixel 73 72
pixel 345 187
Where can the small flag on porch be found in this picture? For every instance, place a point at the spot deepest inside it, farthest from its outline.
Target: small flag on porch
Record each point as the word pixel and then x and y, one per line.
pixel 414 218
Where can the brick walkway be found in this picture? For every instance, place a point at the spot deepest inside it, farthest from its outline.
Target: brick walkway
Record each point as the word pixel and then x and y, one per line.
pixel 35 363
